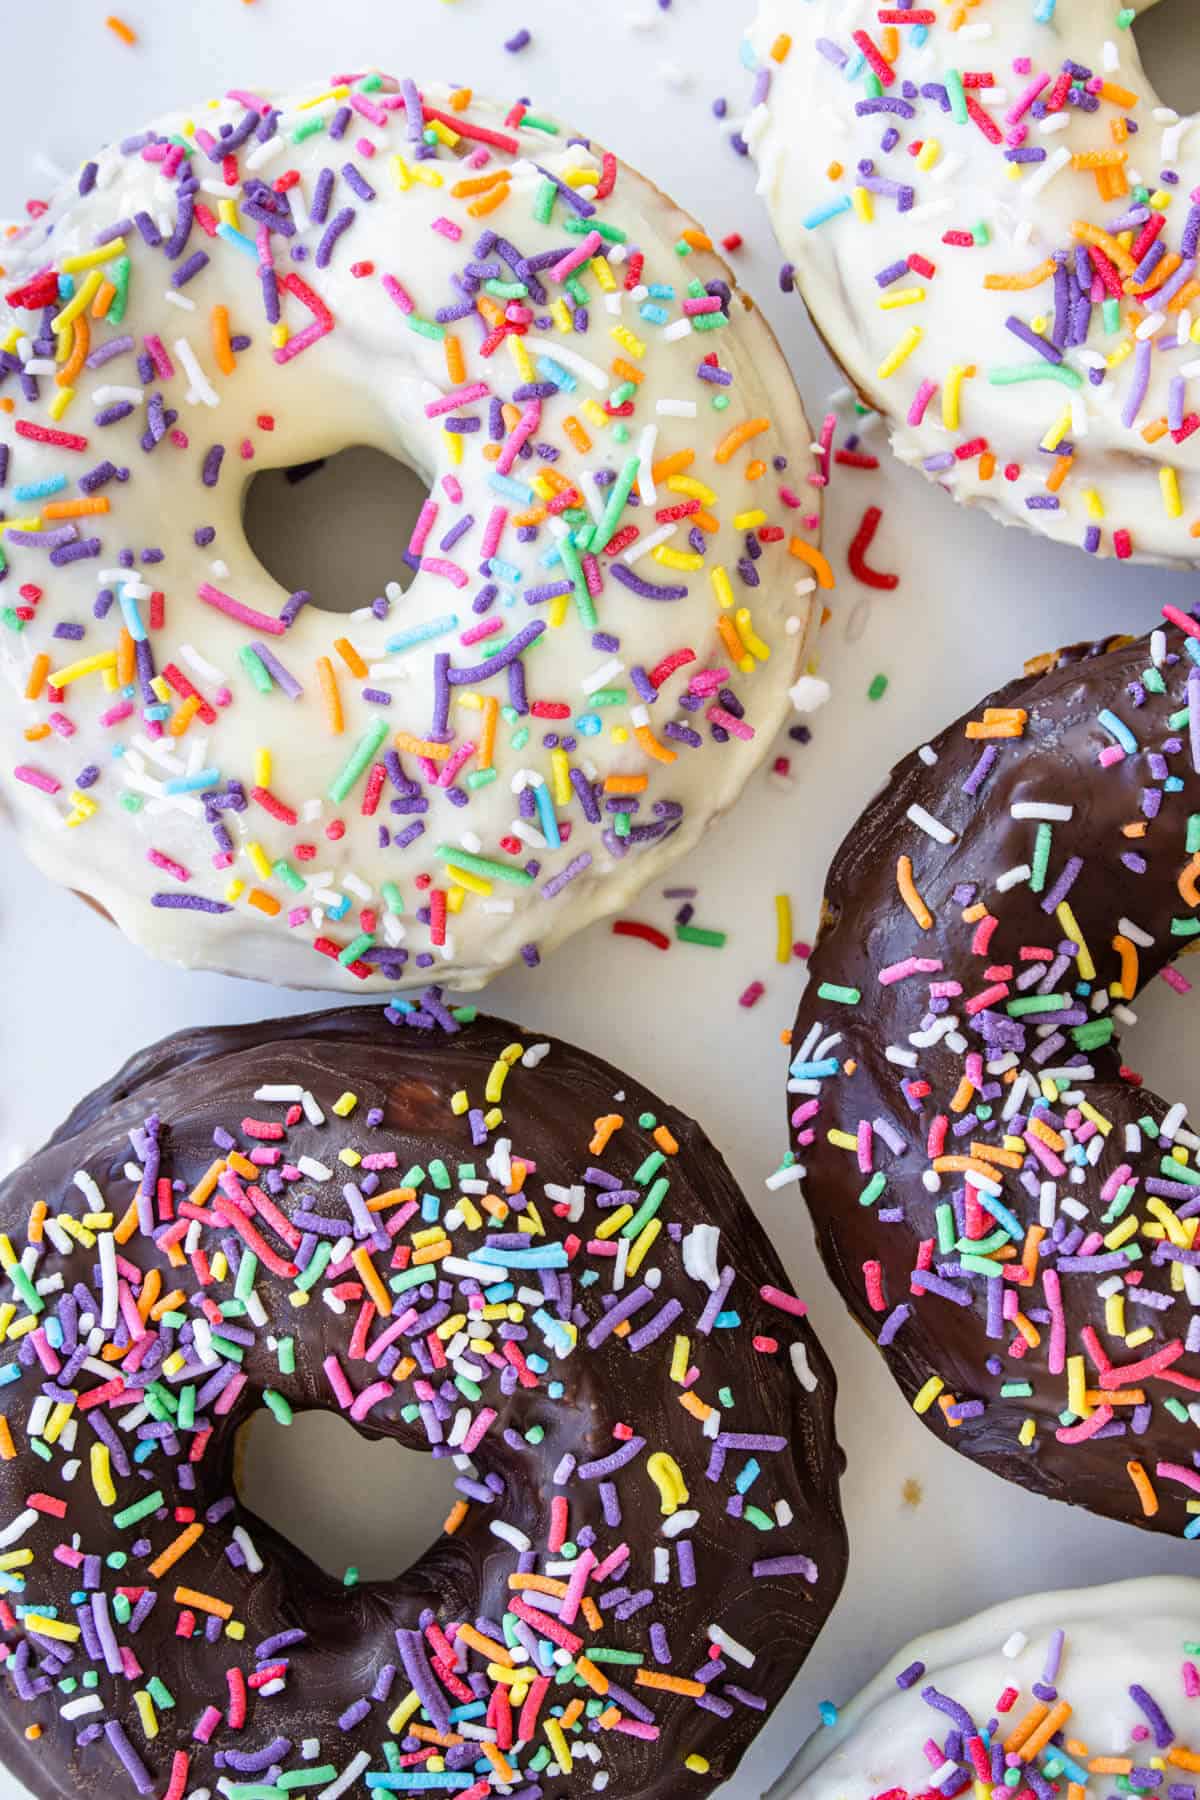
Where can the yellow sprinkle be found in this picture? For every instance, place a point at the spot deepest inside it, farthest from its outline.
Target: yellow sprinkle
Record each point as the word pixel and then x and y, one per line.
pixel 610 1226
pixel 721 585
pixel 258 857
pixel 91 259
pixel 630 343
pixel 1168 481
pixel 749 636
pixel 401 173
pixel 1093 502
pixel 560 312
pixel 16 1559
pixel 692 489
pixel 408 1706
pixel 1103 1125
pixel 560 764
pixel 667 1477
pixel 928 154
pixel 87 665
pixel 146 1714
pixel 1077 1387
pixel 595 413
pixel 864 205
pixel 1027 1433
pixel 228 213
pixel 901 353
pixel 675 559
pixel 559 1744
pixel 951 396
pixel 1066 919
pixel 842 1140
pixel 783 928
pixel 1137 1338
pixel 699 1765
pixel 80 300
pixel 102 1480
pixel 746 521
pixel 345 1105
pixel 475 884
pixel 1057 431
pixel 57 1420
pixel 51 1628
pixel 928 1394
pixel 642 1245
pixel 909 296
pixel 262 768
pixel 680 1355
pixel 602 270
pixel 459 1102
pixel 60 402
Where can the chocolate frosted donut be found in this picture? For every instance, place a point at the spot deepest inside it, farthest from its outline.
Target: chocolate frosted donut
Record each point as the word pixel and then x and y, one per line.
pixel 1002 1204
pixel 479 1246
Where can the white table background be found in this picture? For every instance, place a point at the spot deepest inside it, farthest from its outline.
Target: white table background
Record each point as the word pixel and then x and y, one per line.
pixel 972 603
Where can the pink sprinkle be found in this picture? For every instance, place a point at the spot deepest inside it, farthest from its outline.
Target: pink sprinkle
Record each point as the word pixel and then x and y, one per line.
pixel 752 995
pixel 168 865
pixel 116 713
pixel 463 396
pixel 921 399
pixel 493 531
pixel 370 1397
pixel 454 763
pixel 709 305
pixel 790 497
pixel 1112 753
pixel 158 356
pixel 737 728
pixel 35 778
pixel 787 1303
pixel 245 615
pixel 448 229
pixel 804 1112
pixel 62 725
pixel 585 248
pixel 1025 100
pixel 480 1425
pixel 452 487
pixel 1191 1681
pixel 486 628
pixel 400 295
pixel 426 519
pixel 450 571
pixel 337 1381
pixel 368 110
pixel 210 1718
pixel 364 146
pixel 1179 982
pixel 479 159
pixel 526 425
pixel 593 574
pixel 228 1399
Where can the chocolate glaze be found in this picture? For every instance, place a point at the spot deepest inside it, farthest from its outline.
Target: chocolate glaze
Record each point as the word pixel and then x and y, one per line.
pixel 200 1081
pixel 866 928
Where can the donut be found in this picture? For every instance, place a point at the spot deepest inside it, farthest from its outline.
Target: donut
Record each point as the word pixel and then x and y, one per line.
pixel 1003 1204
pixel 992 220
pixel 1096 1687
pixel 480 1245
pixel 611 578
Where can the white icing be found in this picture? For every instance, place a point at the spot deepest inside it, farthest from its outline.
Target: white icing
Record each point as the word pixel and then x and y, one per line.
pixel 1132 1632
pixel 370 382
pixel 808 121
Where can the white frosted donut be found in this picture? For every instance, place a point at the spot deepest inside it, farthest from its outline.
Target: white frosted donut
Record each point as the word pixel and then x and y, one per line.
pixel 1119 1687
pixel 993 223
pixel 580 677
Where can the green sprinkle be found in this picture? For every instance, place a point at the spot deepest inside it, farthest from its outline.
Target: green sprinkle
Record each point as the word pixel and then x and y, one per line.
pixel 612 234
pixel 543 202
pixel 368 744
pixel 283 871
pixel 310 128
pixel 958 100
pixel 617 499
pixel 141 1509
pixel 309 1277
pixel 305 1778
pixel 646 1211
pixel 532 122
pixel 392 897
pixel 119 275
pixel 608 697
pixel 1041 858
pixel 426 328
pixel 285 1355
pixel 255 668
pixel 1009 374
pixel 227 1348
pixel 484 865
pixel 873 1189
pixel 161 1695
pixel 878 688
pixel 698 934
pixel 845 996
pixel 355 948
pixel 278 1405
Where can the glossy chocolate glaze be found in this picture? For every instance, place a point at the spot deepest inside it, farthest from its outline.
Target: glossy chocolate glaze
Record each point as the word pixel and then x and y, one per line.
pixel 201 1081
pixel 867 928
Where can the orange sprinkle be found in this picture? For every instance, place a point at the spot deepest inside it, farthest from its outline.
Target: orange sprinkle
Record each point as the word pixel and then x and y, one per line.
pixel 37 1219
pixel 781 47
pixel 1104 240
pixel 221 342
pixel 1059 473
pixel 577 434
pixel 456 367
pixel 1187 882
pixel 76 509
pixel 1184 1759
pixel 120 29
pixel 650 744
pixel 106 293
pixel 126 660
pixel 432 1252
pixel 151 1289
pixel 817 563
pixel 668 1684
pixel 596 1680
pixel 487 735
pixel 696 240
pixel 666 1140
pixel 487 1646
pixel 34 734
pixel 481 184
pixel 625 784
pixel 207 1182
pixel 987 466
pixel 693 1404
pixel 908 893
pixel 741 434
pixel 604 1129
pixel 174 1551
pixel 7 1448
pixel 369 1275
pixel 729 637
pixel 171 1302
pixel 220 1609
pixel 455 1517
pixel 241 1165
pixel 1120 96
pixel 183 715
pixel 488 203
pixel 627 371
pixel 1037 1740
pixel 835 171
pixel 350 657
pixel 330 695
pixel 678 463
pixel 1098 159
pixel 1162 274
pixel 1019 283
pixel 404 740
pixel 265 903
pixel 127 1224
pixel 37 675
pixel 80 346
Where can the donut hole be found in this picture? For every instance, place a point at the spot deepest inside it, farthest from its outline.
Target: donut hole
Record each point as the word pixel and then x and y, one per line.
pixel 1169 46
pixel 338 527
pixel 343 1499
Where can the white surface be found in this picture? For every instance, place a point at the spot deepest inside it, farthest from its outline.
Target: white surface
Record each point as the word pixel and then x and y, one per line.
pixel 974 600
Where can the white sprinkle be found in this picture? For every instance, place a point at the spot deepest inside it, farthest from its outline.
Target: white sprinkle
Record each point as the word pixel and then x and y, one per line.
pixel 284 1095
pixel 316 1171
pixel 501 1529
pixel 23 1522
pixel 1013 877
pixel 201 389
pixel 927 755
pixel 809 693
pixel 676 409
pixel 245 1542
pixel 931 826
pixel 1044 175
pixel 645 545
pixel 108 1275
pixel 731 1647
pixel 680 1521
pixel 1041 809
pixel 86 1703
pixel 1135 934
pixel 801 1368
pixel 785 1177
pixel 1015 1644
pixel 905 1059
pixel 347 1778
